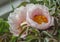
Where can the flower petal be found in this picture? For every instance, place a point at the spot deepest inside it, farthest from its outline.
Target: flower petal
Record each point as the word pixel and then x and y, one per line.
pixel 15 19
pixel 37 9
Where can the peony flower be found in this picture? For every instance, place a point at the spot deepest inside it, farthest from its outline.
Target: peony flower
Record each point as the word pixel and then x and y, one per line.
pixel 38 16
pixel 15 19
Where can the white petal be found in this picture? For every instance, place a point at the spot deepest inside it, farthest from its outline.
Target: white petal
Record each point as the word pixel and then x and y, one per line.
pixel 44 11
pixel 15 19
pixel 52 21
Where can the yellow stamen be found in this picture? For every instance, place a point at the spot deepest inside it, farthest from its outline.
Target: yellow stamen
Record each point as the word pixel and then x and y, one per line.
pixel 40 18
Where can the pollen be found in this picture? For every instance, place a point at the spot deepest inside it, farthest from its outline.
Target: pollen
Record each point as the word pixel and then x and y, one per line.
pixel 40 19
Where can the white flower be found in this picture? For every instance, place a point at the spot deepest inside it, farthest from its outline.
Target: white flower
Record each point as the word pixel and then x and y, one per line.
pixel 38 16
pixel 35 15
pixel 15 19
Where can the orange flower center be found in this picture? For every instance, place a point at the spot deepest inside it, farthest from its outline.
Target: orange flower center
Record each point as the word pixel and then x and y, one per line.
pixel 40 19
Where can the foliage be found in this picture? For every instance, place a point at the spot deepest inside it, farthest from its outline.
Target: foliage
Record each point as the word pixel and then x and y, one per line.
pixel 4 26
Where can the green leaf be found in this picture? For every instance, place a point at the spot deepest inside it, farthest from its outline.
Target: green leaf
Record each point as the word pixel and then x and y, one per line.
pixel 46 2
pixel 30 38
pixel 35 31
pixel 12 5
pixel 37 2
pixel 46 39
pixel 59 34
pixel 33 1
pixel 4 26
pixel 22 32
pixel 13 39
pixel 22 4
pixel 46 33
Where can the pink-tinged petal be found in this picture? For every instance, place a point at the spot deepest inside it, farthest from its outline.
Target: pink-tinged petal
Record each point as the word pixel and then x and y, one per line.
pixel 15 19
pixel 37 9
pixel 52 21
